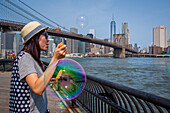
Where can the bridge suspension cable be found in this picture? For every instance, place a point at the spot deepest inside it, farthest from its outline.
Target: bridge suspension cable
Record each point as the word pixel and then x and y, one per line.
pixel 26 13
pixel 42 15
pixel 29 13
pixel 16 12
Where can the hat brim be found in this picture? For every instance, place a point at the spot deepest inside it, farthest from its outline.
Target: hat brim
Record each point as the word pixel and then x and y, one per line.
pixel 46 28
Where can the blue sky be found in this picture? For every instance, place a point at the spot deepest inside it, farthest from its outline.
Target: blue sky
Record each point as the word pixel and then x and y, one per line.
pixel 141 15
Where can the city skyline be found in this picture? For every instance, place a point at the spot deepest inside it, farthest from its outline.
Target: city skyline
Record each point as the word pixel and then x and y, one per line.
pixel 141 16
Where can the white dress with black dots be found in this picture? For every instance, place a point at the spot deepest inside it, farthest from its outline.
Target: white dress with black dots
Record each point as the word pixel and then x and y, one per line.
pixel 22 97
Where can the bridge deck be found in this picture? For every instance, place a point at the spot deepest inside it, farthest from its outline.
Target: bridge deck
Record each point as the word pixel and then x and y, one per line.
pixel 4 95
pixel 16 26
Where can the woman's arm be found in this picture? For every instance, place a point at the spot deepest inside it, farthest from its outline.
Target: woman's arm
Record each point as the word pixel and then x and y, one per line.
pixel 38 84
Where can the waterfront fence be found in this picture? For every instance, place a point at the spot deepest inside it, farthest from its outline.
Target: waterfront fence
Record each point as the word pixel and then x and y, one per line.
pixel 102 96
pixel 119 98
pixel 5 64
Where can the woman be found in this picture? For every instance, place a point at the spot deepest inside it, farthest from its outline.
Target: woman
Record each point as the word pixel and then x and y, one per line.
pixel 27 90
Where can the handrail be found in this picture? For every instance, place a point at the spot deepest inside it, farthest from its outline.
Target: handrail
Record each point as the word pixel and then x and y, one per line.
pixel 137 93
pixel 114 105
pixel 5 64
pixel 128 98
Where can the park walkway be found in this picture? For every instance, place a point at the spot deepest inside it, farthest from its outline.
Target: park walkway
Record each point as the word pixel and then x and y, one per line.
pixel 5 92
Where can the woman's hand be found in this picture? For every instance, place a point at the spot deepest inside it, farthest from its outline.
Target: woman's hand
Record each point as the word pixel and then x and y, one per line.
pixel 60 52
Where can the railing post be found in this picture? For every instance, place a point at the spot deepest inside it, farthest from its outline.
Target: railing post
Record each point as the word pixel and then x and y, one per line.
pixel 73 103
pixel 1 44
pixel 110 96
pixel 4 65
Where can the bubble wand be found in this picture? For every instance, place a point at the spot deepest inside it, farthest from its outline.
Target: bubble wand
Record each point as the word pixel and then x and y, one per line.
pixel 55 81
pixel 60 45
pixel 59 74
pixel 63 101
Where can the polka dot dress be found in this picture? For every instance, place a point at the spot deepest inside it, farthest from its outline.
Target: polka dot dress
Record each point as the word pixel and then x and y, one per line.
pixel 19 91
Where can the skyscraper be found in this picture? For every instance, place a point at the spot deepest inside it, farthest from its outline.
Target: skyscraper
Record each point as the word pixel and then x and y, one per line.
pixel 81 47
pixel 11 41
pixel 87 44
pixel 58 40
pixel 136 47
pixel 168 43
pixel 106 49
pixel 50 47
pixel 92 31
pixel 112 29
pixel 72 45
pixel 125 31
pixel 160 36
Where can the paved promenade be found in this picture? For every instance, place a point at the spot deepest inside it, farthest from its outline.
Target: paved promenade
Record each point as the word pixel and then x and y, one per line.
pixel 5 90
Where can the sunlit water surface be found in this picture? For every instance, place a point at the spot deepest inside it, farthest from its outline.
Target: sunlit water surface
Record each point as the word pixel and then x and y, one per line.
pixel 147 74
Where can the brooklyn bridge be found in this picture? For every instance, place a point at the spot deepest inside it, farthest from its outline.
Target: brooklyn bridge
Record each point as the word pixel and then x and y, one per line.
pixel 21 17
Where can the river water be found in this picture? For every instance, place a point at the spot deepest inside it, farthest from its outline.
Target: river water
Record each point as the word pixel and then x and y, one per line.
pixel 151 75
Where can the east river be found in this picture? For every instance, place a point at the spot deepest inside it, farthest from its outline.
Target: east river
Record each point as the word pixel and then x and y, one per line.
pixel 151 75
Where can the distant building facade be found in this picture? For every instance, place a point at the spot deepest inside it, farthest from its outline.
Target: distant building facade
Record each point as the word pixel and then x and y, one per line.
pixel 128 37
pixel 160 42
pixel 87 44
pixel 72 45
pixel 125 31
pixel 136 47
pixel 90 35
pixel 144 51
pixel 81 47
pixel 93 46
pixel 155 49
pixel 92 31
pixel 160 36
pixel 58 40
pixel 51 47
pixel 11 41
pixel 168 43
pixel 106 49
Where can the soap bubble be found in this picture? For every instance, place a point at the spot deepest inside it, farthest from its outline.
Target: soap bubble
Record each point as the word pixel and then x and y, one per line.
pixel 68 79
pixel 60 106
pixel 82 21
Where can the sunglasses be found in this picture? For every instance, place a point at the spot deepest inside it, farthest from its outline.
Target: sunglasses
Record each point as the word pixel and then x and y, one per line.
pixel 45 34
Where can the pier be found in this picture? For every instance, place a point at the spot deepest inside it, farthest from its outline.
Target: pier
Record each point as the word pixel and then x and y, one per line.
pixel 149 55
pixel 99 95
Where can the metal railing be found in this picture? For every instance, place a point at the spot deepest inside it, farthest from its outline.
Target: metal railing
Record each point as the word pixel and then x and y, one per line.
pixel 5 64
pixel 127 98
pixel 102 96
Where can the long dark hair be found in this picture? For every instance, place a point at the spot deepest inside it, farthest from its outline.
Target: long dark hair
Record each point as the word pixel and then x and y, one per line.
pixel 32 47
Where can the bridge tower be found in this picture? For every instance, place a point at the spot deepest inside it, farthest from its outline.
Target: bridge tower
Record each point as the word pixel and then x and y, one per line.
pixel 119 39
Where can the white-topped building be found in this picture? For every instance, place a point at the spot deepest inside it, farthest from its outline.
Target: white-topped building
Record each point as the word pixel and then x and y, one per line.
pixel 92 31
pixel 125 31
pixel 160 36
